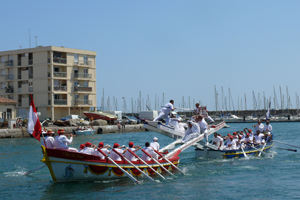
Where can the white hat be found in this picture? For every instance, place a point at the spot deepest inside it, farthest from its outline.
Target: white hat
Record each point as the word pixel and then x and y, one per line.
pixel 155 138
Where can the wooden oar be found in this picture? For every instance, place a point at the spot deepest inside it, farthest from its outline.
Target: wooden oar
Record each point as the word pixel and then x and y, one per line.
pixel 295 150
pixel 157 162
pixel 262 152
pixel 169 161
pixel 133 165
pixel 125 172
pixel 286 144
pixel 262 149
pixel 145 163
pixel 245 155
pixel 31 171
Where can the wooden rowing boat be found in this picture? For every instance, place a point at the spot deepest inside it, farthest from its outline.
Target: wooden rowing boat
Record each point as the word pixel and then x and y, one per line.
pixel 67 166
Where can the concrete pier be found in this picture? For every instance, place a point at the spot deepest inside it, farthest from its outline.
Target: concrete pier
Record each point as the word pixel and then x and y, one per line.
pixel 22 133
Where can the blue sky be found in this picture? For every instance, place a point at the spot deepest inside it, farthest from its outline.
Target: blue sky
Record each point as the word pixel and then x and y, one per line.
pixel 179 48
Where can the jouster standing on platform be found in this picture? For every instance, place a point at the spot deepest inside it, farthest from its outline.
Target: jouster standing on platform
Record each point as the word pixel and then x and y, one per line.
pixel 149 150
pixel 203 127
pixel 268 127
pixel 192 131
pixel 165 110
pixel 103 148
pixel 61 141
pixel 259 126
pixel 129 155
pixel 197 111
pixel 114 155
pixel 50 142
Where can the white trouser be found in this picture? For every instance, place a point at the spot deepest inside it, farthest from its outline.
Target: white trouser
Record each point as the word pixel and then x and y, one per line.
pixel 206 135
pixel 162 114
pixel 190 136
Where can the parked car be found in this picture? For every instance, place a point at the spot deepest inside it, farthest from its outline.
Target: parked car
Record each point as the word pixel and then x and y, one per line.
pixel 129 119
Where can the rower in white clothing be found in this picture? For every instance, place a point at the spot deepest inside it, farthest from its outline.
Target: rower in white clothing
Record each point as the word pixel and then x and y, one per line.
pixel 258 138
pixel 251 134
pixel 192 131
pixel 231 144
pixel 81 147
pixel 89 148
pixel 61 141
pixel 155 146
pixel 149 150
pixel 128 155
pixel 165 110
pixel 103 148
pixel 114 155
pixel 217 141
pixel 50 142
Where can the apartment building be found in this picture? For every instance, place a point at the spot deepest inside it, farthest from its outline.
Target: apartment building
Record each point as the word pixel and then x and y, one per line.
pixel 61 80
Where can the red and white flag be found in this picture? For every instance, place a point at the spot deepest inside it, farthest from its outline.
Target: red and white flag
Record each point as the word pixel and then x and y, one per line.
pixel 34 126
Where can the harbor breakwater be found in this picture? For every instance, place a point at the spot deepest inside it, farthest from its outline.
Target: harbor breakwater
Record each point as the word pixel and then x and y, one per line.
pixel 22 133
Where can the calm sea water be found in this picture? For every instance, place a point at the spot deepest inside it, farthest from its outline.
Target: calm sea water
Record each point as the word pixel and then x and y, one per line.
pixel 256 178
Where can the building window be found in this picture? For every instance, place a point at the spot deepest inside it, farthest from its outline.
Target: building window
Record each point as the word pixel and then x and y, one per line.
pixel 85 59
pixel 85 83
pixel 75 58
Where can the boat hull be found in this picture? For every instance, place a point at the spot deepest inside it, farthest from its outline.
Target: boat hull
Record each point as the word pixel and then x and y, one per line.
pixel 226 154
pixel 103 116
pixel 65 166
pixel 85 132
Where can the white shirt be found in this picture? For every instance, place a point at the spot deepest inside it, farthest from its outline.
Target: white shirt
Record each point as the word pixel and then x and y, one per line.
pixel 155 145
pixel 61 142
pixel 97 153
pixel 260 127
pixel 195 129
pixel 115 156
pixel 49 142
pixel 248 139
pixel 88 150
pixel 269 127
pixel 217 140
pixel 150 151
pixel 167 108
pixel 251 135
pixel 233 144
pixel 258 138
pixel 129 156
pixel 203 125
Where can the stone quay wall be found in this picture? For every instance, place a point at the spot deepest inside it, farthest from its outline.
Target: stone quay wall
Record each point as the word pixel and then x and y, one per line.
pixel 22 133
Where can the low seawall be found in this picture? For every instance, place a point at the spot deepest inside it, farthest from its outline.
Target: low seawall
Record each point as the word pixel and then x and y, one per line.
pixel 22 133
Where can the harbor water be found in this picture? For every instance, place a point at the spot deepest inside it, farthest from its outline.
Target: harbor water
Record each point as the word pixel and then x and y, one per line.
pixel 256 178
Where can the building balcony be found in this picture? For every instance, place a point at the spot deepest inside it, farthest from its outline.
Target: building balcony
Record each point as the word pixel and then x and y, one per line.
pixel 9 89
pixel 82 62
pixel 83 102
pixel 60 102
pixel 60 60
pixel 60 88
pixel 82 75
pixel 60 74
pixel 9 63
pixel 9 77
pixel 83 89
pixel 30 89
